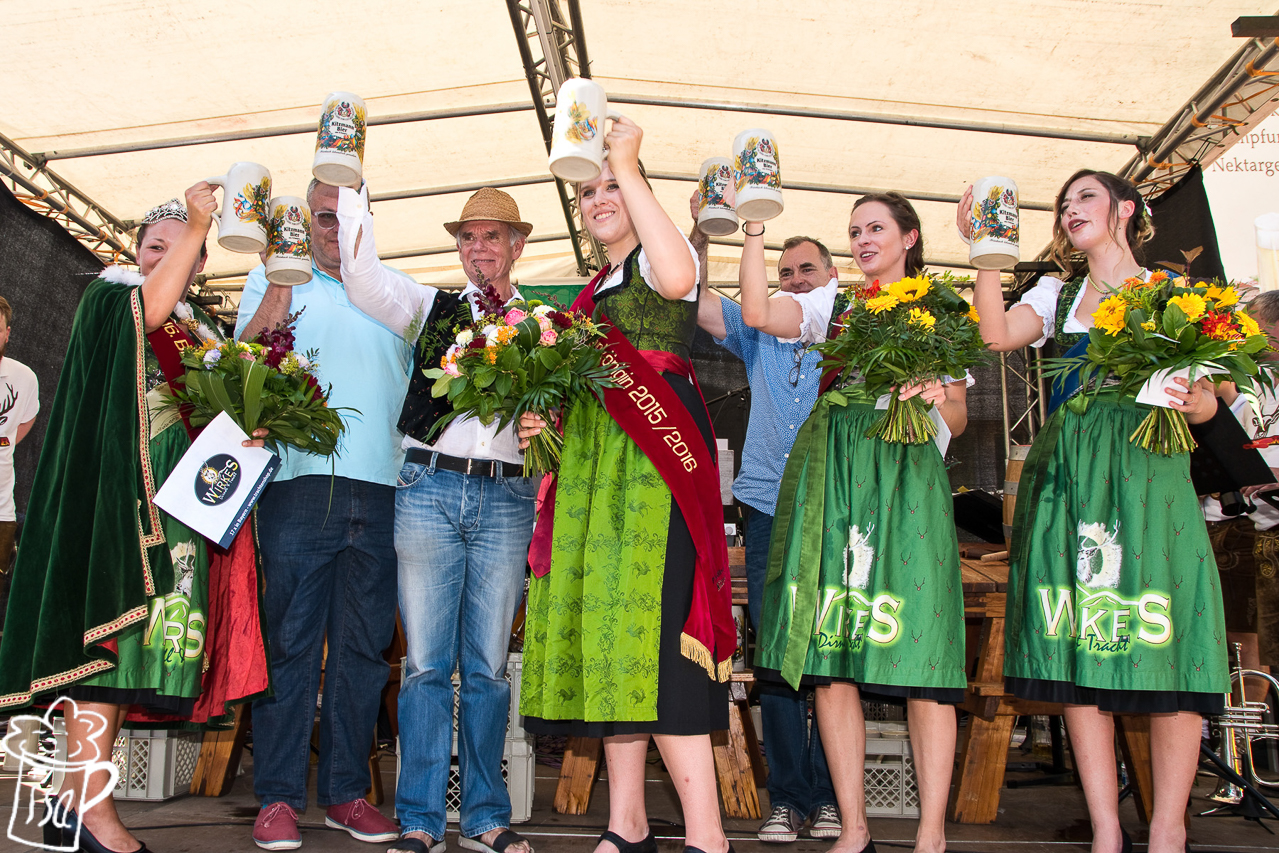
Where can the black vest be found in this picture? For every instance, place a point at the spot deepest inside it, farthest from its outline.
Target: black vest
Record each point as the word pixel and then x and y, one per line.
pixel 421 410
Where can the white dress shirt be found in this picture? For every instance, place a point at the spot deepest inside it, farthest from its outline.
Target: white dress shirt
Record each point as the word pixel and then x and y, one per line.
pixel 402 304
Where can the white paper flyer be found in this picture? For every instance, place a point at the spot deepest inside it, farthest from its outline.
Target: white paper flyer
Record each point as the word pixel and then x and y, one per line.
pixel 215 484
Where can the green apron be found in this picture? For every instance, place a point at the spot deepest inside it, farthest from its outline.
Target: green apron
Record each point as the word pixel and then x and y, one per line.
pixel 863 579
pixel 1112 581
pixel 591 643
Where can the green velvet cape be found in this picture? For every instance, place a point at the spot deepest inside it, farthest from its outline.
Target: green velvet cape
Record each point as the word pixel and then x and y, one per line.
pixel 83 572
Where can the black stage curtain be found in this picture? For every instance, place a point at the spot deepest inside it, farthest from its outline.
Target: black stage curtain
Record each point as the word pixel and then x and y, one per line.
pixel 43 274
pixel 1183 220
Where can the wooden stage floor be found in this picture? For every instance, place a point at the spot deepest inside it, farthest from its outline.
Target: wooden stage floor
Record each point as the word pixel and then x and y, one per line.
pixel 1049 819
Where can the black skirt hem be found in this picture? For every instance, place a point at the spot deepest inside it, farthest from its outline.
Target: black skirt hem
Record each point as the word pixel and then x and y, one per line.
pixel 893 694
pixel 157 704
pixel 598 729
pixel 1115 701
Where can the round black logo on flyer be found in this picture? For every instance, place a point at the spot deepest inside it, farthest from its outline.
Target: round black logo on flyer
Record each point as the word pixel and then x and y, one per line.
pixel 217 479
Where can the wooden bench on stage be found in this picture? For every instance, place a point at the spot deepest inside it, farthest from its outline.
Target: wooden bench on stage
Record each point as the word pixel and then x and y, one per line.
pixel 738 763
pixel 985 741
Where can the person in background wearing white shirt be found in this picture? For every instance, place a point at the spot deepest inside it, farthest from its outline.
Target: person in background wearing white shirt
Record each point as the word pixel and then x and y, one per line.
pixel 463 522
pixel 19 405
pixel 784 381
pixel 1247 547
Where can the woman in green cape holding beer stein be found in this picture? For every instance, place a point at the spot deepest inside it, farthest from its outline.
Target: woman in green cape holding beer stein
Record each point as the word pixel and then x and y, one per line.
pixel 863 593
pixel 1112 599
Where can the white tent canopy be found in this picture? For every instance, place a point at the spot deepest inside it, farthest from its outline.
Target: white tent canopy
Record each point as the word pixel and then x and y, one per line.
pixel 1068 83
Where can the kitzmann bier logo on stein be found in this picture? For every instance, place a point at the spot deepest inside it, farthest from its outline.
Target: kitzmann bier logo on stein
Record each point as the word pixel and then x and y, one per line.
pixel 339 141
pixel 217 479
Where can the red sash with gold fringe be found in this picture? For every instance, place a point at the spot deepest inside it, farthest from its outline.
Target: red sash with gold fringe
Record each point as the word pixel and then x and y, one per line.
pixel 653 416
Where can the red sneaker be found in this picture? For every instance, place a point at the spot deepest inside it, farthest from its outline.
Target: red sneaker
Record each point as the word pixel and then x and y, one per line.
pixel 364 822
pixel 277 828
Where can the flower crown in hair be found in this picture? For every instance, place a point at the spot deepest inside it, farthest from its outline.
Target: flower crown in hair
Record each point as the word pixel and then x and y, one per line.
pixel 171 209
pixel 1146 212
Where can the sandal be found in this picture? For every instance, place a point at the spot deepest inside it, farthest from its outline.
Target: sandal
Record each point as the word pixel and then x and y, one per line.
pixel 500 844
pixel 646 845
pixel 417 845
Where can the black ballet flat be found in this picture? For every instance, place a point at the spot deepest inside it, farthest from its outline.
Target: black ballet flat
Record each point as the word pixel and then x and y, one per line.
pixel 870 847
pixel 648 844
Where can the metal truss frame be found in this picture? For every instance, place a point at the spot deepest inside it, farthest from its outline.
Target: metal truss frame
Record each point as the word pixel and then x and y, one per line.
pixel 36 185
pixel 1243 92
pixel 541 29
pixel 1235 99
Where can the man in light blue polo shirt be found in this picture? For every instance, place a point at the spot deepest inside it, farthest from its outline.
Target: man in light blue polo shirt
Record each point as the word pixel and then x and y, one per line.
pixel 784 381
pixel 326 530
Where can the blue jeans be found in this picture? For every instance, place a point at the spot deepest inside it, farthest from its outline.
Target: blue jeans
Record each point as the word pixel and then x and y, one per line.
pixel 463 545
pixel 798 777
pixel 329 565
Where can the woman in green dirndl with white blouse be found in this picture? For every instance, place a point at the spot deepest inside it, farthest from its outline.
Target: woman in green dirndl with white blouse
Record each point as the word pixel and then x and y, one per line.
pixel 1113 604
pixel 863 594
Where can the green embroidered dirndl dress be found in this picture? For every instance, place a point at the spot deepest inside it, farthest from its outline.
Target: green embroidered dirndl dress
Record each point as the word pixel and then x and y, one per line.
pixel 161 660
pixel 602 634
pixel 110 594
pixel 863 577
pixel 1113 596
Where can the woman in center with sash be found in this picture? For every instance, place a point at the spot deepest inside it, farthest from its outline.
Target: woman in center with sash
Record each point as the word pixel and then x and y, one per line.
pixel 863 593
pixel 630 633
pixel 1112 603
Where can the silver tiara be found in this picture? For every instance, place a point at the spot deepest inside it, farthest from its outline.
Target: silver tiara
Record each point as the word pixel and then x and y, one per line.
pixel 171 209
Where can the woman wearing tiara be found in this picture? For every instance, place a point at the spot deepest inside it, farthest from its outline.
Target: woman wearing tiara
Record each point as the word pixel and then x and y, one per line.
pixel 111 615
pixel 1112 599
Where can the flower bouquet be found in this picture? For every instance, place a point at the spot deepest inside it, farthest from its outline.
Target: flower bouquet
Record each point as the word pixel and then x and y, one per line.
pixel 264 383
pixel 1165 323
pixel 522 357
pixel 913 330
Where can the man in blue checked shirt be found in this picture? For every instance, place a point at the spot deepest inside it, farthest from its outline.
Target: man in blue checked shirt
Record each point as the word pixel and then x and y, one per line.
pixel 783 380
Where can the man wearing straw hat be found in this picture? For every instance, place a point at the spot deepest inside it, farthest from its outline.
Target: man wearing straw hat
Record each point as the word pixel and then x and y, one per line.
pixel 326 532
pixel 784 381
pixel 463 521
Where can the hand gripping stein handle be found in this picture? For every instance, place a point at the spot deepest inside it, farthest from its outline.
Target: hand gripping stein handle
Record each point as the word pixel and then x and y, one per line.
pixel 216 215
pixel 613 115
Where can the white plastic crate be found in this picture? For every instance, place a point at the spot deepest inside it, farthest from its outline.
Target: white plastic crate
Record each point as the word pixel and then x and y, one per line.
pixel 883 718
pixel 518 764
pixel 154 764
pixel 891 788
pixel 514 672
pixel 514 722
pixel 25 732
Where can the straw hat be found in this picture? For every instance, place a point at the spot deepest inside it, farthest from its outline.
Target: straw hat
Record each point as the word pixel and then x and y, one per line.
pixel 490 205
